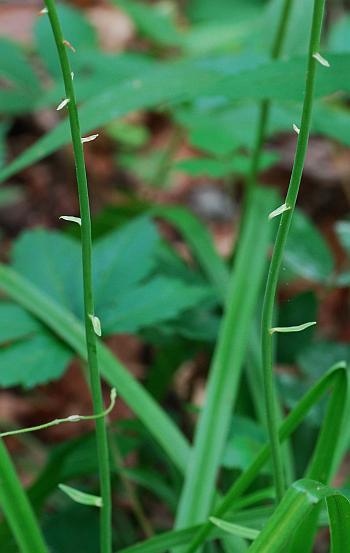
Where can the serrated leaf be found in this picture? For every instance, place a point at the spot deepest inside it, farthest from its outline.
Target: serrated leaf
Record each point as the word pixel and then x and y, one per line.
pixel 122 259
pixel 33 361
pixel 52 261
pixel 81 497
pixel 158 300
pixel 16 323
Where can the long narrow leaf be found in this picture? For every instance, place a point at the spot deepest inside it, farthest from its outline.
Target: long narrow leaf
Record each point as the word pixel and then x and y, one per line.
pixel 300 500
pixel 17 509
pixel 337 376
pixel 201 243
pixel 70 330
pixel 199 486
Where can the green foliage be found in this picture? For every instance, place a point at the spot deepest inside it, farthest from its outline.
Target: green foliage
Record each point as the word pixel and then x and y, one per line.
pixel 202 67
pixel 131 294
pixel 300 500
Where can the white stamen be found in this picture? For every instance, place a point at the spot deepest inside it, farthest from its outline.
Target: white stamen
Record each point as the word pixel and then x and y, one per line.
pixel 96 323
pixel 297 328
pixel 44 11
pixel 89 138
pixel 63 104
pixel 281 209
pixel 71 219
pixel 321 59
pixel 72 75
pixel 296 129
pixel 69 45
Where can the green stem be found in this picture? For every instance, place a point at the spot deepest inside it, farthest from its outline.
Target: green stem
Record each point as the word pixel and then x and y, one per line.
pixel 86 242
pixel 71 418
pixel 272 280
pixel 333 380
pixel 265 105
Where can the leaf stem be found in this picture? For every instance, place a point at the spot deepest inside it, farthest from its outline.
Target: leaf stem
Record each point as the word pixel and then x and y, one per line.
pixel 276 260
pixel 86 243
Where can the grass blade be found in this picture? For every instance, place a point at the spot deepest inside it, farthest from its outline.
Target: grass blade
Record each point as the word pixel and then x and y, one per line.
pixel 71 331
pixel 337 376
pixel 17 509
pixel 199 486
pixel 300 500
pixel 198 238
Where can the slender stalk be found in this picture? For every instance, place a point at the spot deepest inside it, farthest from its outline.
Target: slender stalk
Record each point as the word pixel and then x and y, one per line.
pixel 265 105
pixel 272 280
pixel 95 383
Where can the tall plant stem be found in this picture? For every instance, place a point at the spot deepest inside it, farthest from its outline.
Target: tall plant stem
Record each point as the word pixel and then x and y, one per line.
pixel 265 105
pixel 272 280
pixel 95 383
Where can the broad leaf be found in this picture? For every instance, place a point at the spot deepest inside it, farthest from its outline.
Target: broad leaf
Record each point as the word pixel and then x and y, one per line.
pixel 122 259
pixel 307 253
pixel 51 261
pixel 16 323
pixel 33 361
pixel 158 300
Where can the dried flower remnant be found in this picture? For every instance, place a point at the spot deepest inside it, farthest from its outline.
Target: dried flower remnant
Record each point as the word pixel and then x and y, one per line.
pixel 89 138
pixel 63 104
pixel 69 45
pixel 321 59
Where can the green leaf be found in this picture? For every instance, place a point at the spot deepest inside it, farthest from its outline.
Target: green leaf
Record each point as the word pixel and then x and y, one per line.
pixel 244 442
pixel 77 30
pixel 315 359
pixel 300 500
pixel 155 22
pixel 295 309
pixel 16 323
pixel 235 529
pixel 342 229
pixel 15 67
pixel 338 36
pixel 81 497
pixel 17 509
pixel 242 76
pixel 329 451
pixel 33 361
pixel 219 168
pixel 212 428
pixel 51 261
pixel 201 244
pixel 307 253
pixel 122 259
pixel 65 325
pixel 158 300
